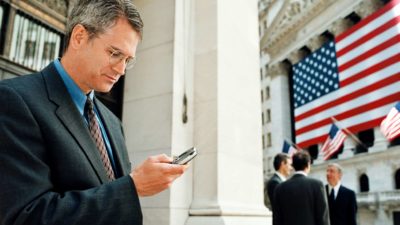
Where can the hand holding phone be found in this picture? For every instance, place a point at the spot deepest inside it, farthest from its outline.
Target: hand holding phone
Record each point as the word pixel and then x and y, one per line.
pixel 185 157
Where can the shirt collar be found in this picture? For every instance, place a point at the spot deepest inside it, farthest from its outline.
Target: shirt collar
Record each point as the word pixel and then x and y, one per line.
pixel 78 97
pixel 335 188
pixel 301 172
pixel 283 178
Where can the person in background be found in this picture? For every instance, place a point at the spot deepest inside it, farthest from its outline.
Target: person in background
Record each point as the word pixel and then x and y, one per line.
pixel 63 158
pixel 283 167
pixel 341 200
pixel 300 200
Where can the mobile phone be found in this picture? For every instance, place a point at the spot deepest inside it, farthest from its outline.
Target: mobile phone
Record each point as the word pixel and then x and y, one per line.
pixel 185 157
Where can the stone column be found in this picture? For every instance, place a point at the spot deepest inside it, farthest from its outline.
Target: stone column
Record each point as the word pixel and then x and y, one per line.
pixel 348 148
pixel 320 157
pixel 228 180
pixel 158 102
pixel 380 143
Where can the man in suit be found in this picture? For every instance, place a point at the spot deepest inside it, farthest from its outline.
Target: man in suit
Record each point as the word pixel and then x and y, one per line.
pixel 341 200
pixel 283 167
pixel 63 158
pixel 300 200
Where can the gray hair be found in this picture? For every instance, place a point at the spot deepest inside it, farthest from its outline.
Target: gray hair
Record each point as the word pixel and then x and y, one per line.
pixel 99 15
pixel 339 167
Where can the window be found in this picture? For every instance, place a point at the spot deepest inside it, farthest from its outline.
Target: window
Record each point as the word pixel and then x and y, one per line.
pixel 397 179
pixel 1 16
pixel 267 94
pixel 269 140
pixel 262 96
pixel 396 218
pixel 3 19
pixel 364 183
pixel 263 141
pixel 266 70
pixel 313 150
pixel 367 139
pixel 33 45
pixel 263 118
pixel 268 115
pixel 395 142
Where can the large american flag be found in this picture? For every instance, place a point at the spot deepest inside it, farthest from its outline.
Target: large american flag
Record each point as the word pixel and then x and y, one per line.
pixel 355 78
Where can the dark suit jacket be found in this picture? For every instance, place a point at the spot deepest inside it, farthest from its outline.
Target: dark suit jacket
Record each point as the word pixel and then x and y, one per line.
pixel 300 201
pixel 343 210
pixel 271 185
pixel 50 168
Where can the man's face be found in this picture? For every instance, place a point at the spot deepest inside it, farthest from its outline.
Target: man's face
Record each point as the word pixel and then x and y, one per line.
pixel 333 175
pixel 96 72
pixel 286 167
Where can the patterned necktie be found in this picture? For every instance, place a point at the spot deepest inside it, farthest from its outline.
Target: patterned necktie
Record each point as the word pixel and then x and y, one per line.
pixel 98 139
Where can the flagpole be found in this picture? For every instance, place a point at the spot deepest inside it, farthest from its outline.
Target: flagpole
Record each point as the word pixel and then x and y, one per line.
pixel 296 146
pixel 353 136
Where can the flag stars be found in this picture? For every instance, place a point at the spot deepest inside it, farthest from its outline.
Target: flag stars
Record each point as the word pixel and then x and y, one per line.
pixel 316 75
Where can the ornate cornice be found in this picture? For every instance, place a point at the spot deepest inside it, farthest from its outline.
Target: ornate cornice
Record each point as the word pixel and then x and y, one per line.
pixel 51 12
pixel 61 7
pixel 294 15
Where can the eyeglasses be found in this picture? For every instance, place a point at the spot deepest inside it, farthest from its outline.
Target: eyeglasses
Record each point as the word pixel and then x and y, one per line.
pixel 118 57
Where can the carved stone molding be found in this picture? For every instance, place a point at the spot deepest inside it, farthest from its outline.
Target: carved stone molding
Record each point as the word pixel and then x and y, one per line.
pixel 379 200
pixel 59 6
pixel 266 3
pixel 293 16
pixel 366 8
pixel 46 14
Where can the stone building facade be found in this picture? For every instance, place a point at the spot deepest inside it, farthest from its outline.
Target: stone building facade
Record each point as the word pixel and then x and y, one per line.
pixel 195 84
pixel 289 31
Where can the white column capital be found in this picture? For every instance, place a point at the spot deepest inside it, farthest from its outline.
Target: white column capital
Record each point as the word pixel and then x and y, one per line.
pixel 366 8
pixel 278 69
pixel 316 42
pixel 340 25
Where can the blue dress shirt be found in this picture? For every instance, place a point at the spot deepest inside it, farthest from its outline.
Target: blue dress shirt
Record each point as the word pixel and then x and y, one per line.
pixel 79 98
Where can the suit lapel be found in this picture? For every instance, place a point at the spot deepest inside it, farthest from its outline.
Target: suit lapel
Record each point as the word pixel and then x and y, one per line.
pixel 72 119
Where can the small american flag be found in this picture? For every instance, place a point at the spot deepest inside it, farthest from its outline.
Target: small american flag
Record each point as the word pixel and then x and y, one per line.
pixel 288 148
pixel 355 78
pixel 390 126
pixel 332 144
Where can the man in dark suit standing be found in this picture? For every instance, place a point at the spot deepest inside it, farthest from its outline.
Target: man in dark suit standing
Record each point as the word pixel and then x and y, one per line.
pixel 283 167
pixel 341 200
pixel 63 158
pixel 300 200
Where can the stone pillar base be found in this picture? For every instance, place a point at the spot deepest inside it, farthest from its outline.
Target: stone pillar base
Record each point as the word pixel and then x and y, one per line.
pixel 230 216
pixel 229 220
